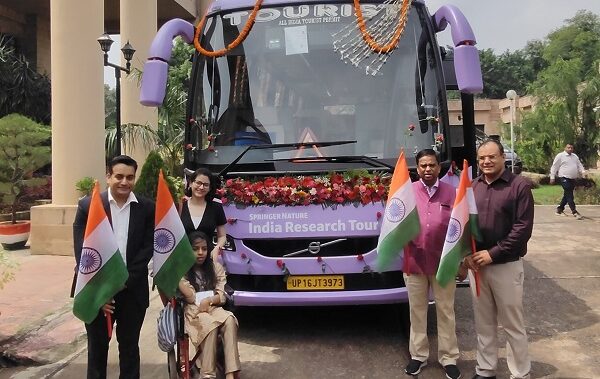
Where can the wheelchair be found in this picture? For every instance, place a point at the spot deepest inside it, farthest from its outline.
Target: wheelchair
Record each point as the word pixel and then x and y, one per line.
pixel 179 363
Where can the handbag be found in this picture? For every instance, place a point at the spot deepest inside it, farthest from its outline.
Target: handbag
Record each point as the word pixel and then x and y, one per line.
pixel 166 328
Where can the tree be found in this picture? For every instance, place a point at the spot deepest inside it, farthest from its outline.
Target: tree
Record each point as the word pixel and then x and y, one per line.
pixel 22 90
pixel 567 92
pixel 510 70
pixel 168 137
pixel 110 107
pixel 22 151
pixel 147 183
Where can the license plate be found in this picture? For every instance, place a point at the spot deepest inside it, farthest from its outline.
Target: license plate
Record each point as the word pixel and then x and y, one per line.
pixel 315 282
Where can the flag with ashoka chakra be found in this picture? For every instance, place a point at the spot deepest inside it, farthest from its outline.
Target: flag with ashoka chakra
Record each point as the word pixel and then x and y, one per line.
pixel 101 271
pixel 401 220
pixel 173 254
pixel 462 228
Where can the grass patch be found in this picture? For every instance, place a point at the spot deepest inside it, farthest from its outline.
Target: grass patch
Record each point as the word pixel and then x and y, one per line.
pixel 547 194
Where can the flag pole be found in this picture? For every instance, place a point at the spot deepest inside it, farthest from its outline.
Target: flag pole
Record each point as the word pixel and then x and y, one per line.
pixel 476 273
pixel 109 325
pixel 406 259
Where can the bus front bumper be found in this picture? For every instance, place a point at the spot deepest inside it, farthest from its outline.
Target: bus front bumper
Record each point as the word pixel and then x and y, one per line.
pixel 317 298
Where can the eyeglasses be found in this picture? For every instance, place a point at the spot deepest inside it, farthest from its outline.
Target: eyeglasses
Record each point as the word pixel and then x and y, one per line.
pixel 202 184
pixel 492 157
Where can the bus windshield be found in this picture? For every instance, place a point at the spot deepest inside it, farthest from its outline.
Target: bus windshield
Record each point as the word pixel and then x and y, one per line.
pixel 286 83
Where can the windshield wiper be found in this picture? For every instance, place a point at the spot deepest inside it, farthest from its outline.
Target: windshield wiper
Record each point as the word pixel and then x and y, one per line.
pixel 373 162
pixel 279 147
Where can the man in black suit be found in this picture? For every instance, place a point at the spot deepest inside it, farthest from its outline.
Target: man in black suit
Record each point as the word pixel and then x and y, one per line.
pixel 132 220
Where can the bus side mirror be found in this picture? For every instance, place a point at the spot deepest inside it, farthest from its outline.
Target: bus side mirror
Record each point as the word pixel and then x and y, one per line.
pixel 468 69
pixel 154 83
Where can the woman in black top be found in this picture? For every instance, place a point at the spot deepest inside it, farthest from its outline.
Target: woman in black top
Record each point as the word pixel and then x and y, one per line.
pixel 201 212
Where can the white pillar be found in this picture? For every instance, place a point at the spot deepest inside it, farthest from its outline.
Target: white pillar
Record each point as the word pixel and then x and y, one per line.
pixel 138 26
pixel 77 95
pixel 77 118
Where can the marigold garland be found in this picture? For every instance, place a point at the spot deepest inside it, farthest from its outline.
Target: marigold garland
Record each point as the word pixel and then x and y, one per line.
pixel 374 45
pixel 240 38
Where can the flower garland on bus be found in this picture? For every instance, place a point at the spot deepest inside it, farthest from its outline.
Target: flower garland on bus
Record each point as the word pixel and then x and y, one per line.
pixel 240 38
pixel 370 40
pixel 355 187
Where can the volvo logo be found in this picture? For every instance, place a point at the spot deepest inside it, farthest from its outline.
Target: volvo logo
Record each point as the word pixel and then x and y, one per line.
pixel 314 247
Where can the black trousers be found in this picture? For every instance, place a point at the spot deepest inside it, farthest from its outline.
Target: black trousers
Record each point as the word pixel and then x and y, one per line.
pixel 568 186
pixel 128 316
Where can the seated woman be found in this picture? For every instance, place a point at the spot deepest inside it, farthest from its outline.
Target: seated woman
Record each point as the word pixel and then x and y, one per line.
pixel 203 288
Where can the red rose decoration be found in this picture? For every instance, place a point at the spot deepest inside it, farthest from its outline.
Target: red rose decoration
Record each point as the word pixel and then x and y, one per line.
pixel 360 257
pixel 280 263
pixel 319 259
pixel 244 256
pixel 329 189
pixel 337 179
pixel 378 215
pixel 189 146
pixel 411 127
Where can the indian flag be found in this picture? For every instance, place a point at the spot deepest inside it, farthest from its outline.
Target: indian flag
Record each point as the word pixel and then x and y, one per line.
pixel 462 228
pixel 401 220
pixel 101 272
pixel 173 254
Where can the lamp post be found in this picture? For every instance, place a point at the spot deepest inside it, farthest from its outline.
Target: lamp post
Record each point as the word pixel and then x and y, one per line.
pixel 512 95
pixel 105 42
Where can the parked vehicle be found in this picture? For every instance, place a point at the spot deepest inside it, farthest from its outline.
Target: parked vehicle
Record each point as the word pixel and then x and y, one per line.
pixel 512 157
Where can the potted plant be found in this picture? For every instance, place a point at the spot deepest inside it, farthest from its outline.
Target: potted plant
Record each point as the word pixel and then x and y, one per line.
pixel 24 148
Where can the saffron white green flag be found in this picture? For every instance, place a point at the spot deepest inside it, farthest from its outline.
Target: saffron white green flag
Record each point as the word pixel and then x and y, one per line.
pixel 401 220
pixel 101 272
pixel 173 254
pixel 463 227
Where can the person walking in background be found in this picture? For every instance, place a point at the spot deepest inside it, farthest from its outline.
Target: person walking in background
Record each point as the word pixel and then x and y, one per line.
pixel 421 259
pixel 202 212
pixel 567 167
pixel 505 211
pixel 132 220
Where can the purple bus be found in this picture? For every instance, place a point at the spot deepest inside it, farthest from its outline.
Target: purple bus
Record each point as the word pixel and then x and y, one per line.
pixel 303 121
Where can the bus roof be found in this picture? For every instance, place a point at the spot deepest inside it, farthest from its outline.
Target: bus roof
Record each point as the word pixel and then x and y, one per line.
pixel 228 5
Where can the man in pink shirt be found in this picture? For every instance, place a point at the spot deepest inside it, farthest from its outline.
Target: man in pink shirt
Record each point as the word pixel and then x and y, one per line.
pixel 421 259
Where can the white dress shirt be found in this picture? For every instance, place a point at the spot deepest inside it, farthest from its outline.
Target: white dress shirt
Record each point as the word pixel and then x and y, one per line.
pixel 566 166
pixel 120 221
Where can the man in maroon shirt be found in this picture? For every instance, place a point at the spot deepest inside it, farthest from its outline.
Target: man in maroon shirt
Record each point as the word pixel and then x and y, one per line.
pixel 505 206
pixel 421 259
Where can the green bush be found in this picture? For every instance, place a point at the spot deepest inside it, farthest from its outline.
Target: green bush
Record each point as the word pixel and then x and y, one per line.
pixel 147 183
pixel 85 186
pixel 588 191
pixel 588 196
